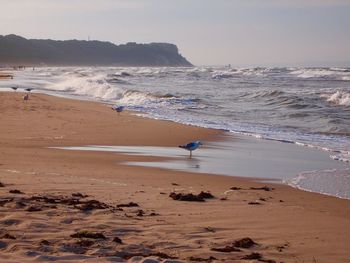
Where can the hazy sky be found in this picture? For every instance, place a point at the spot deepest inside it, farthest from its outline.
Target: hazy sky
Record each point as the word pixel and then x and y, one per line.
pixel 207 32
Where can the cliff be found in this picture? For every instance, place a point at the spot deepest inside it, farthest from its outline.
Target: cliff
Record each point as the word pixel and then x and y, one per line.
pixel 16 50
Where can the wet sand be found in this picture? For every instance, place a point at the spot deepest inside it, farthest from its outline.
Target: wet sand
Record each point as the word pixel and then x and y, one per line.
pixel 265 160
pixel 43 220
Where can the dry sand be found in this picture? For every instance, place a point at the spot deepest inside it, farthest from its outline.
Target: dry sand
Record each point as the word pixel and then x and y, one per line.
pixel 287 225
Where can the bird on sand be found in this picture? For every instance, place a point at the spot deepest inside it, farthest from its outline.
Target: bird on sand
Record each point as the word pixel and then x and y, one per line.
pixel 191 146
pixel 26 97
pixel 118 109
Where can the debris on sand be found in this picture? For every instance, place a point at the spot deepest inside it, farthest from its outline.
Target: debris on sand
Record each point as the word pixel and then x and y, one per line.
pixel 15 191
pixel 91 205
pixel 75 201
pixel 127 255
pixel 235 188
pixel 161 255
pixel 154 214
pixel 211 258
pixel 191 197
pixel 2 185
pixel 280 248
pixel 246 242
pixel 226 249
pixel 20 204
pixel 34 208
pixel 7 236
pixel 254 203
pixel 253 255
pixel 257 256
pixel 209 229
pixel 117 240
pixel 4 201
pixel 85 242
pixel 79 195
pixel 88 234
pixel 130 204
pixel 206 195
pixel 44 242
pixel 265 188
pixel 140 213
pixel 186 197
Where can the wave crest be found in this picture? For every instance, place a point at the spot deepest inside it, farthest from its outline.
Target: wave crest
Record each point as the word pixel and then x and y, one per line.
pixel 94 87
pixel 341 98
pixel 322 73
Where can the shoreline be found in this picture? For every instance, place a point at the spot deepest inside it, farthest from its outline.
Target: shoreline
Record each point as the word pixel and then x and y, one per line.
pixel 306 225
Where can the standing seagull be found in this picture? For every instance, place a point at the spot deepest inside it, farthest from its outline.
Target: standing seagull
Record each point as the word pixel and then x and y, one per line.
pixel 118 109
pixel 191 146
pixel 26 97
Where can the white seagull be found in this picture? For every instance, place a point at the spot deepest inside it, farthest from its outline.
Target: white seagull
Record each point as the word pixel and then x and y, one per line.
pixel 191 146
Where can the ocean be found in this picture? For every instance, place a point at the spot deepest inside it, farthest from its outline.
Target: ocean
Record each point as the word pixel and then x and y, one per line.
pixel 305 106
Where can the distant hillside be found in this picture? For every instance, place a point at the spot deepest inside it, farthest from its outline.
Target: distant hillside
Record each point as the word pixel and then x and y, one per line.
pixel 16 50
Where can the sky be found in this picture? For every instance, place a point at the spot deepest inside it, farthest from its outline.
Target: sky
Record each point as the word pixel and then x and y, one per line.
pixel 207 32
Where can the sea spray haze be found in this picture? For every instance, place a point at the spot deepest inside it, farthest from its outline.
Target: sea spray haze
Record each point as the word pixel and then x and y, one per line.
pixel 308 106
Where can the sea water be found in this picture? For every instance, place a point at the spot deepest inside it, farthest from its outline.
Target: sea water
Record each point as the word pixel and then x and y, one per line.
pixel 304 106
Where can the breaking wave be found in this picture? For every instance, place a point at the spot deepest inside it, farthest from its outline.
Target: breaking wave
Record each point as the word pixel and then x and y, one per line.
pixel 339 98
pixel 341 74
pixel 88 86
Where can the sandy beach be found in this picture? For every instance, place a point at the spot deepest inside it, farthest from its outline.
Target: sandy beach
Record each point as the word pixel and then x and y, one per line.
pixel 78 206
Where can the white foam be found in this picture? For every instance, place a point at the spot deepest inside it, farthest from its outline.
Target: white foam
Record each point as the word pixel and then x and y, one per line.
pixel 332 73
pixel 339 98
pixel 341 157
pixel 136 98
pixel 92 86
pixel 333 182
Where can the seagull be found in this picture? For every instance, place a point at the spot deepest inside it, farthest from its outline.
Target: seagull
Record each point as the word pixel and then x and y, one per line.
pixel 118 109
pixel 191 146
pixel 26 97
